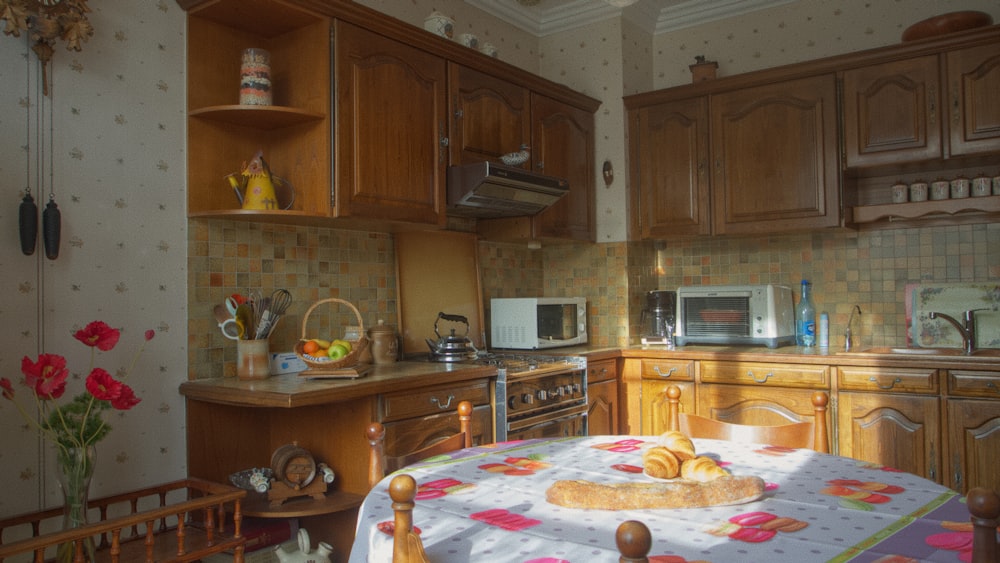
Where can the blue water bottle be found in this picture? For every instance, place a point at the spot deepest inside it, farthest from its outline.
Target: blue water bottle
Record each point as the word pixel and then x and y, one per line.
pixel 805 318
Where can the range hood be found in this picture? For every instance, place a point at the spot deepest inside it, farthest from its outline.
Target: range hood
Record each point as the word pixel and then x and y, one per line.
pixel 488 190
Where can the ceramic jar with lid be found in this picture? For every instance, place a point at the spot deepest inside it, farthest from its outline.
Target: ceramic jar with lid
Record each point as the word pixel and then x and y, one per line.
pixel 960 187
pixel 981 185
pixel 940 189
pixel 385 344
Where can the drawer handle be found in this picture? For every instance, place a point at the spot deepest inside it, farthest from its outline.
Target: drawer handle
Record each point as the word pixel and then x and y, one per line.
pixel 437 402
pixel 767 376
pixel 992 386
pixel 661 374
pixel 880 386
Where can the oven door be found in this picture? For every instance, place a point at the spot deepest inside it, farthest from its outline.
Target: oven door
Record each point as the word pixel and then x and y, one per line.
pixel 560 423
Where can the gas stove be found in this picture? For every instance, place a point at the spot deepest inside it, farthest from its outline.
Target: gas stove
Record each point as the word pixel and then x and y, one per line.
pixel 521 364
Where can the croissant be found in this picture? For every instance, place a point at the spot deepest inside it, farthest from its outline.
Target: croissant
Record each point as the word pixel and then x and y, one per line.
pixel 679 444
pixel 661 463
pixel 702 469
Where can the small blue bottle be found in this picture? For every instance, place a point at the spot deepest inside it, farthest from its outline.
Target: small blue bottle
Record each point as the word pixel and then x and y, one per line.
pixel 805 318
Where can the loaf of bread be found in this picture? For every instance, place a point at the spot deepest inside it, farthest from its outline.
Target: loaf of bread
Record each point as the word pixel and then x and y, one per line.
pixel 731 489
pixel 678 443
pixel 702 469
pixel 661 463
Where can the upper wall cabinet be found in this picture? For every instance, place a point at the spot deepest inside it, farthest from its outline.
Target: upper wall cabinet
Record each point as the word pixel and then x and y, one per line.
pixel 367 114
pixel 668 146
pixel 973 99
pixel 391 129
pixel 774 157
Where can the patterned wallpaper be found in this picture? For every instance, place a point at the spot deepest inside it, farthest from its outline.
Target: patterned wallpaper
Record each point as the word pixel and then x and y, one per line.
pixel 130 257
pixel 109 143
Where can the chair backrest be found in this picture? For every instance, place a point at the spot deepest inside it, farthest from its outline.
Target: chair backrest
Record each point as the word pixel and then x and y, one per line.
pixel 806 434
pixel 379 464
pixel 406 545
pixel 984 508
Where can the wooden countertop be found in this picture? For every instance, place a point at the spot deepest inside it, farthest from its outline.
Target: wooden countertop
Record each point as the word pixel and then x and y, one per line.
pixel 292 390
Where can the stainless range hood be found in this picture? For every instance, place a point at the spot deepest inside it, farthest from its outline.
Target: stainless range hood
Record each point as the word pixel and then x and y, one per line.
pixel 489 190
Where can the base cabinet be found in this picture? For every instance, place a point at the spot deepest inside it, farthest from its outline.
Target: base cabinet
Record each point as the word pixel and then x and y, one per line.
pixel 897 431
pixel 602 398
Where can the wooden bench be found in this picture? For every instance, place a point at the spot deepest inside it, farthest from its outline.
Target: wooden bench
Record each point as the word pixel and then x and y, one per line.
pixel 182 520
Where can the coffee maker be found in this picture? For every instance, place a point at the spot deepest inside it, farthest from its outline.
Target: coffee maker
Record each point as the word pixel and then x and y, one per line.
pixel 658 318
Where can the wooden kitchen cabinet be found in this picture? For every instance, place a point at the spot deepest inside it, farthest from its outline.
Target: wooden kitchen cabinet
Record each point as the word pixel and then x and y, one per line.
pixel 972 456
pixel 391 129
pixel 775 164
pixel 890 416
pixel 294 133
pixel 490 117
pixel 414 420
pixel 602 398
pixel 668 169
pixel 973 104
pixel 562 145
pixel 892 112
pixel 646 381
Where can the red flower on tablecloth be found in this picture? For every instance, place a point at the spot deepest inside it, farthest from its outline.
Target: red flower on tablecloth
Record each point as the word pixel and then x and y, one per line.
pixel 505 519
pixel 389 527
pixel 442 487
pixel 775 450
pixel 877 467
pixel 860 495
pixel 620 446
pixel 757 527
pixel 626 468
pixel 515 466
pixel 957 538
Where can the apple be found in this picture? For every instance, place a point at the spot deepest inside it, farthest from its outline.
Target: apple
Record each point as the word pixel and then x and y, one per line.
pixel 336 351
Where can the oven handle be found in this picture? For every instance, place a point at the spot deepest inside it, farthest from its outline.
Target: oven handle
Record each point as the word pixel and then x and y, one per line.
pixel 545 418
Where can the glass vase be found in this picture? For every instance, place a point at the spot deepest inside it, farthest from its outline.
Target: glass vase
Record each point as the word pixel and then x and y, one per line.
pixel 75 467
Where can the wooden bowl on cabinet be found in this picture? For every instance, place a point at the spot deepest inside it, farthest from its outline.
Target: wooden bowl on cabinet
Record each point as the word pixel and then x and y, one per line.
pixel 947 23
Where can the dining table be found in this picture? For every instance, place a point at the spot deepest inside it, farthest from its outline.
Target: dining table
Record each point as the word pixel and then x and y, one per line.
pixel 488 503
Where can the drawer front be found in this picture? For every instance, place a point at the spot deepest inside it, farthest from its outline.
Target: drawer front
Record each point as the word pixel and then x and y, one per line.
pixel 406 436
pixel 974 383
pixel 918 380
pixel 673 370
pixel 779 375
pixel 601 370
pixel 432 400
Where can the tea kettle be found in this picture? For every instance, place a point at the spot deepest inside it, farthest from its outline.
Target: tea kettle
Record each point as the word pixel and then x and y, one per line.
pixel 452 348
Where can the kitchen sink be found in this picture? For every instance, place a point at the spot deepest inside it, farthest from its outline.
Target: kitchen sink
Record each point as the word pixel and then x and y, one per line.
pixel 888 350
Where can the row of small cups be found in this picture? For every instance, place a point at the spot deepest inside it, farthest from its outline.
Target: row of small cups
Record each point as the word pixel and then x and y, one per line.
pixel 440 24
pixel 961 187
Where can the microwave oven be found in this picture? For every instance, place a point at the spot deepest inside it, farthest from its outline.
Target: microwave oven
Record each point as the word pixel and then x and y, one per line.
pixel 530 323
pixel 735 314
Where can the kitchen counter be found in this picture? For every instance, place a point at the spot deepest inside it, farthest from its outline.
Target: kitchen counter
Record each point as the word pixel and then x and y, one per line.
pixel 292 390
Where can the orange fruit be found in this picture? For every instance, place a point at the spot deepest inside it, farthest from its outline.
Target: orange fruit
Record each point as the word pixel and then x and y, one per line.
pixel 310 347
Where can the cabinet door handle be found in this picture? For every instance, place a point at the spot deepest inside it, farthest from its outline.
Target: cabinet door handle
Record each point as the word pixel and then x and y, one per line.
pixel 992 387
pixel 437 402
pixel 767 376
pixel 933 107
pixel 933 468
pixel 956 106
pixel 661 374
pixel 889 386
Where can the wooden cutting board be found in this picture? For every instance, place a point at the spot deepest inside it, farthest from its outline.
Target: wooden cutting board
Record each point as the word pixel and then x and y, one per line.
pixel 437 272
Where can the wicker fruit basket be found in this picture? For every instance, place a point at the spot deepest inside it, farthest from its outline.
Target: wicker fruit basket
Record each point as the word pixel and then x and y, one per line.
pixel 357 346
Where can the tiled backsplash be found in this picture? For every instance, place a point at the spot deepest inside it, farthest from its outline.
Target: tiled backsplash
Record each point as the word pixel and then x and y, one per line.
pixel 870 269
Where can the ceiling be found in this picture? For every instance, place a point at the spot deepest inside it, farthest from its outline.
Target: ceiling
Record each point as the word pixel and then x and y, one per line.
pixel 545 17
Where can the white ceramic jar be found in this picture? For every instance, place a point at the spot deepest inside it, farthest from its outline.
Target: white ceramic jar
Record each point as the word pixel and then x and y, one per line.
pixel 981 185
pixel 918 191
pixel 960 187
pixel 899 191
pixel 440 24
pixel 940 189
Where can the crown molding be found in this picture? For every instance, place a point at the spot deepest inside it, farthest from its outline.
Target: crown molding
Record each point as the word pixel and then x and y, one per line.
pixel 655 16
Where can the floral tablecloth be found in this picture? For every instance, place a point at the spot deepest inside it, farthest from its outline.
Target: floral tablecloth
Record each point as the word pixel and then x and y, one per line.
pixel 488 504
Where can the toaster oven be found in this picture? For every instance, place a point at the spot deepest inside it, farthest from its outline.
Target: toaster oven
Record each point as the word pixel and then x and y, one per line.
pixel 736 314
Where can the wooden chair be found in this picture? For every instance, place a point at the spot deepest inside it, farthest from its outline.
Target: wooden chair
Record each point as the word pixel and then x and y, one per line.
pixel 807 434
pixel 634 541
pixel 379 464
pixel 984 508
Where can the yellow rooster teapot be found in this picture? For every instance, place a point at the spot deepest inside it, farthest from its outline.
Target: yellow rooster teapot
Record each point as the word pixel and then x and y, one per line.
pixel 257 189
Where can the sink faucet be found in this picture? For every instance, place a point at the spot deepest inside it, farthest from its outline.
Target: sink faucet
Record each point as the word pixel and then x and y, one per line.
pixel 847 332
pixel 967 330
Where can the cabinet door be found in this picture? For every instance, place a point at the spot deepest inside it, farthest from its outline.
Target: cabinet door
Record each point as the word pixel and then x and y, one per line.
pixel 668 151
pixel 653 418
pixel 974 107
pixel 390 129
pixel 762 406
pixel 602 408
pixel 490 117
pixel 898 431
pixel 973 444
pixel 775 158
pixel 562 145
pixel 892 112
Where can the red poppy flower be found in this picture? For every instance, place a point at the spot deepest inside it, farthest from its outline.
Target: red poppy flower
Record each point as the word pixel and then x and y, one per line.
pixel 102 386
pixel 47 376
pixel 126 399
pixel 150 334
pixel 8 389
pixel 99 334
